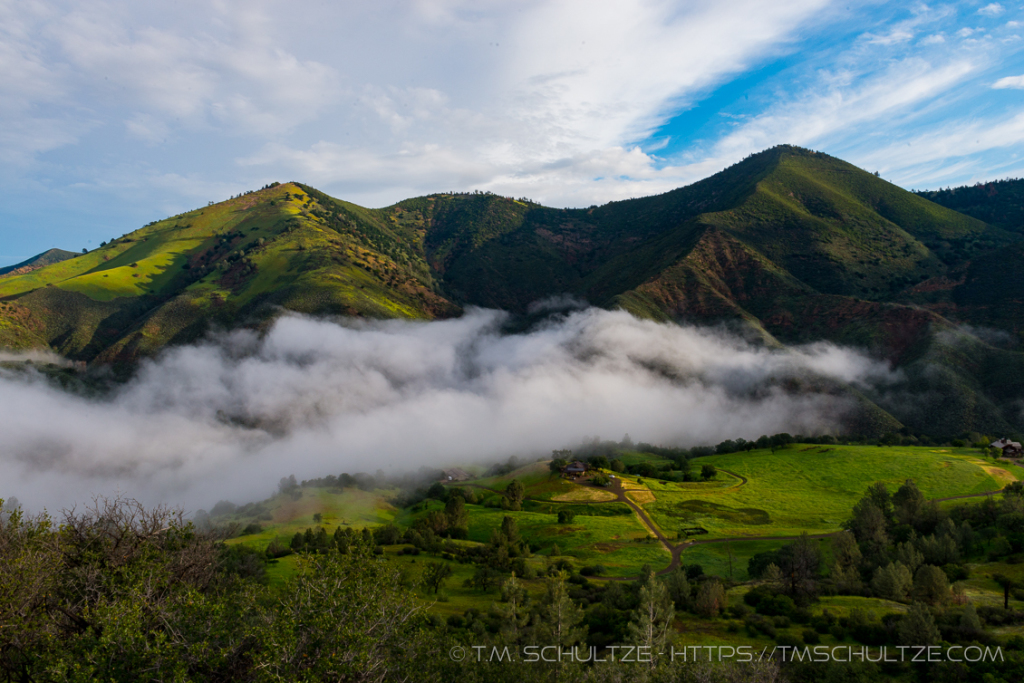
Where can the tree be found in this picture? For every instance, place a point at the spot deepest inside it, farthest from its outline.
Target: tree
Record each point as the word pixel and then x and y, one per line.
pixel 909 556
pixel 514 494
pixel 773 577
pixel 317 517
pixel 1007 584
pixel 970 624
pixel 510 531
pixel 892 582
pixel 878 494
pixel 778 441
pixel 435 575
pixel 566 516
pixel 917 627
pixel 338 599
pixel 514 613
pixel 678 588
pixel 484 578
pixel 708 472
pixel 710 599
pixel 562 617
pixel 931 585
pixel 907 502
pixel 652 619
pixel 800 562
pixel 868 524
pixel 456 516
pixel 845 549
pixel 288 484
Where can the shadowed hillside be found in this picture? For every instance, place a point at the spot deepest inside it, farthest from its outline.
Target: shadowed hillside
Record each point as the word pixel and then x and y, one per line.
pixel 790 245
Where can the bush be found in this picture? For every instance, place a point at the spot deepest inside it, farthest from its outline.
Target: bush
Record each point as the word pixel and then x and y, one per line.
pixel 811 637
pixel 222 508
pixel 787 640
pixel 776 605
pixel 252 528
pixel 593 570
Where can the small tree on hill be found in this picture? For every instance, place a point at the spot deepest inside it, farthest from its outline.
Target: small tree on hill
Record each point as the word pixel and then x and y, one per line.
pixel 435 575
pixel 515 492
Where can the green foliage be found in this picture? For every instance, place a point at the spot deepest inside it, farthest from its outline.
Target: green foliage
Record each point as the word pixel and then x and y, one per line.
pixel 812 247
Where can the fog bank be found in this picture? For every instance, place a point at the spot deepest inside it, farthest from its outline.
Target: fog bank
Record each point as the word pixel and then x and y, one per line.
pixel 228 417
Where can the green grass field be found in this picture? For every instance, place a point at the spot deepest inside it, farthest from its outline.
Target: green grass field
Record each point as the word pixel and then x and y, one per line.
pixel 800 488
pixel 813 488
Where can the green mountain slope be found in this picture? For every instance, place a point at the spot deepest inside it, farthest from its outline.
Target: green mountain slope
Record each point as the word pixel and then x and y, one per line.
pixel 793 245
pixel 237 262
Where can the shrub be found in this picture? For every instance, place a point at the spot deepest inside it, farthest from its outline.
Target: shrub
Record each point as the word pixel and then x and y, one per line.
pixel 787 640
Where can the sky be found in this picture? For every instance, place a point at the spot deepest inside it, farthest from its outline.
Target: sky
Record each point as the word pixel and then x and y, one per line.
pixel 117 113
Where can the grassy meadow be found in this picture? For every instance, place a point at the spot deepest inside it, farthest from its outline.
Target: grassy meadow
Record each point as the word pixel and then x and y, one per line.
pixel 809 488
pixel 802 488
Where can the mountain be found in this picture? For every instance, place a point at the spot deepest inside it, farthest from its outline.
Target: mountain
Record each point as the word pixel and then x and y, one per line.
pixel 999 203
pixel 792 245
pixel 48 257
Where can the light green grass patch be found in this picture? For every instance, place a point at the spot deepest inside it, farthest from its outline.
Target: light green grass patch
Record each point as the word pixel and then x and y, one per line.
pixel 812 488
pixel 352 507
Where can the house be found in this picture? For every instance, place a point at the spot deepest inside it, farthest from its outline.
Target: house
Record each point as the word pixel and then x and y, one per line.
pixel 575 469
pixel 454 474
pixel 1010 449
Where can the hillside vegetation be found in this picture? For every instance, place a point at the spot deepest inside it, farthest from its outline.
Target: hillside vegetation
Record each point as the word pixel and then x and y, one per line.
pixel 790 244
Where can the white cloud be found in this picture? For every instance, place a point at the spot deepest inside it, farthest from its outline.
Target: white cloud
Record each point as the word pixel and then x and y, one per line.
pixel 378 101
pixel 928 157
pixel 991 10
pixel 1009 82
pixel 487 92
pixel 898 35
pixel 320 398
pixel 833 112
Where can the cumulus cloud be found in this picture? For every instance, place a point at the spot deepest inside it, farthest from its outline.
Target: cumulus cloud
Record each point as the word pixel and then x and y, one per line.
pixel 228 417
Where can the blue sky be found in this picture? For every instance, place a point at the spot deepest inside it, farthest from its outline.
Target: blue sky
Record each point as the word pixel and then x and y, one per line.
pixel 117 113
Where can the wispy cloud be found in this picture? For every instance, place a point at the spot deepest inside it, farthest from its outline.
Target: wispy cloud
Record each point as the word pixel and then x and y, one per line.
pixel 1009 82
pixel 561 100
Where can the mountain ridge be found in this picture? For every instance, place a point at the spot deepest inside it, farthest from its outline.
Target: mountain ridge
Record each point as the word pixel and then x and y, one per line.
pixel 48 257
pixel 791 244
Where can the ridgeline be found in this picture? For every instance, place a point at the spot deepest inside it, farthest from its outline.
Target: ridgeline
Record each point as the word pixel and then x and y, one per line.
pixel 792 245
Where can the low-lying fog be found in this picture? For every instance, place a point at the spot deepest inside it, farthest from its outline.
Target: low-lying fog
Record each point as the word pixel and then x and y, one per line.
pixel 227 418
